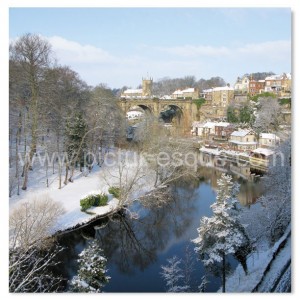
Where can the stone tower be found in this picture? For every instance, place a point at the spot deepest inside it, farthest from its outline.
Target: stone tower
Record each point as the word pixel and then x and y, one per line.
pixel 147 87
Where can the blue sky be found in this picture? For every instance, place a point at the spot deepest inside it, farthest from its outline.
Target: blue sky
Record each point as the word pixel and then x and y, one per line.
pixel 118 46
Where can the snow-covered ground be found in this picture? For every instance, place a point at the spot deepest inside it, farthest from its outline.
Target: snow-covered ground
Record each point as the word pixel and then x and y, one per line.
pixel 257 264
pixel 69 195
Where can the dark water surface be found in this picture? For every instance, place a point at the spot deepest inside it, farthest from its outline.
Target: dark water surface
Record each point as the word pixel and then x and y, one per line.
pixel 136 249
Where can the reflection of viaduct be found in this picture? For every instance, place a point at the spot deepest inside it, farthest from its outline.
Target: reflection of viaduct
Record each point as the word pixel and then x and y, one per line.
pixel 187 110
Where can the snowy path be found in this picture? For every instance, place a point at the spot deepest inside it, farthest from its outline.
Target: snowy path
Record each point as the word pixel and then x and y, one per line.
pixel 264 269
pixel 278 267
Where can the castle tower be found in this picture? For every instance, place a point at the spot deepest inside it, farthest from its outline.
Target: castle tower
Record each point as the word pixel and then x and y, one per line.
pixel 147 87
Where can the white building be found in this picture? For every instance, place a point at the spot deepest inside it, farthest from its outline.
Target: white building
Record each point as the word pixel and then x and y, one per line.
pixel 243 140
pixel 132 94
pixel 242 84
pixel 268 140
pixel 134 115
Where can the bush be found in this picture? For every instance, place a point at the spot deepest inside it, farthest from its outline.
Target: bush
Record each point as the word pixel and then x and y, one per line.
pixel 93 200
pixel 101 200
pixel 87 202
pixel 115 191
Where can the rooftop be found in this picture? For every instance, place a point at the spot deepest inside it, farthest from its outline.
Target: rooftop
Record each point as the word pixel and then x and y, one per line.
pixel 270 136
pixel 133 91
pixel 240 133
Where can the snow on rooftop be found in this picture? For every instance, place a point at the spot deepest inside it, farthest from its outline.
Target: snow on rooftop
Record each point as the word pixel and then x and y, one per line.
pixel 220 88
pixel 223 124
pixel 166 97
pixel 263 151
pixel 223 88
pixel 240 133
pixel 177 92
pixel 207 91
pixel 133 91
pixel 188 90
pixel 270 136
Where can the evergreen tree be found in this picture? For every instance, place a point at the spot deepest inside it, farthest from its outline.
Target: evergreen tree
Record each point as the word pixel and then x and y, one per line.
pixel 172 273
pixel 231 115
pixel 222 234
pixel 75 144
pixel 92 272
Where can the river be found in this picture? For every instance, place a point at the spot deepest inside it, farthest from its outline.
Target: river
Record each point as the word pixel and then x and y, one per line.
pixel 137 248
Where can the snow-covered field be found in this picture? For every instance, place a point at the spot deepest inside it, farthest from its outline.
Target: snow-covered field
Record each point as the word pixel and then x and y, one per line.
pixel 99 179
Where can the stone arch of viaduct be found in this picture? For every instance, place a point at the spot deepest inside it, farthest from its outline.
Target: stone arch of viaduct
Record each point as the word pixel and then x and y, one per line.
pixel 155 106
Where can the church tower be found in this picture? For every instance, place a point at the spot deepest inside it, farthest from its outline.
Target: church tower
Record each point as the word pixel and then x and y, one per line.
pixel 147 86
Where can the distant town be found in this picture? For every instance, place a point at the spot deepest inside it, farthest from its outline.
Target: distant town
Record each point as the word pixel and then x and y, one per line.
pixel 222 118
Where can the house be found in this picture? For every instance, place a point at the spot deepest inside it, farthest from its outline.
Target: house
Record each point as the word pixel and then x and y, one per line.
pixel 242 85
pixel 256 87
pixel 260 159
pixel 243 140
pixel 189 93
pixel 268 140
pixel 132 94
pixel 223 131
pixel 273 84
pixel 203 129
pixel 219 96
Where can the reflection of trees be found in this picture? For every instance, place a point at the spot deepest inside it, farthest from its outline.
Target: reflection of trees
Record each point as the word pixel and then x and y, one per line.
pixel 130 243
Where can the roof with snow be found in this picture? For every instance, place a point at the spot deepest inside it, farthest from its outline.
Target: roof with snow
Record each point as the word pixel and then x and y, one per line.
pixel 223 124
pixel 263 151
pixel 270 136
pixel 189 90
pixel 223 88
pixel 220 88
pixel 177 92
pixel 166 97
pixel 274 77
pixel 207 91
pixel 241 133
pixel 133 91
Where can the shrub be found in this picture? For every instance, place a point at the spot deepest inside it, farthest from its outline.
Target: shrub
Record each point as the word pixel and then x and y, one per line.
pixel 101 200
pixel 115 191
pixel 93 200
pixel 87 202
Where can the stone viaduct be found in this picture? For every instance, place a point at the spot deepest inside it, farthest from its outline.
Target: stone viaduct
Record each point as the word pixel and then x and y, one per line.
pixel 186 109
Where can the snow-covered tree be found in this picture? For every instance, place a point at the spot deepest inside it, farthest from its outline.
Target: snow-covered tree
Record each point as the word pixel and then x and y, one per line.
pixel 269 220
pixel 204 282
pixel 92 272
pixel 30 270
pixel 222 234
pixel 269 117
pixel 172 273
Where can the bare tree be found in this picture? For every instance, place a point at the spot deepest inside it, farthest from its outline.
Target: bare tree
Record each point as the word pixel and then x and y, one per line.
pixel 31 222
pixel 32 53
pixel 170 159
pixel 269 116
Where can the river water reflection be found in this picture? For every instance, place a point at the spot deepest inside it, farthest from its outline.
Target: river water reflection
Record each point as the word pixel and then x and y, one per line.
pixel 136 249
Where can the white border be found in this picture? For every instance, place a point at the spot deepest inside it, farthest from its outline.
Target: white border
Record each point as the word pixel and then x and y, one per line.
pixel 4 7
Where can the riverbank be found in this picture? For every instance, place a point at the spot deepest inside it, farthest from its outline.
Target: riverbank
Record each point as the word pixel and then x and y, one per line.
pixel 99 179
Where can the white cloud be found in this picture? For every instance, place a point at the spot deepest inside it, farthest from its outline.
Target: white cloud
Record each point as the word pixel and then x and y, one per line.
pixel 96 65
pixel 272 49
pixel 73 52
pixel 192 51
